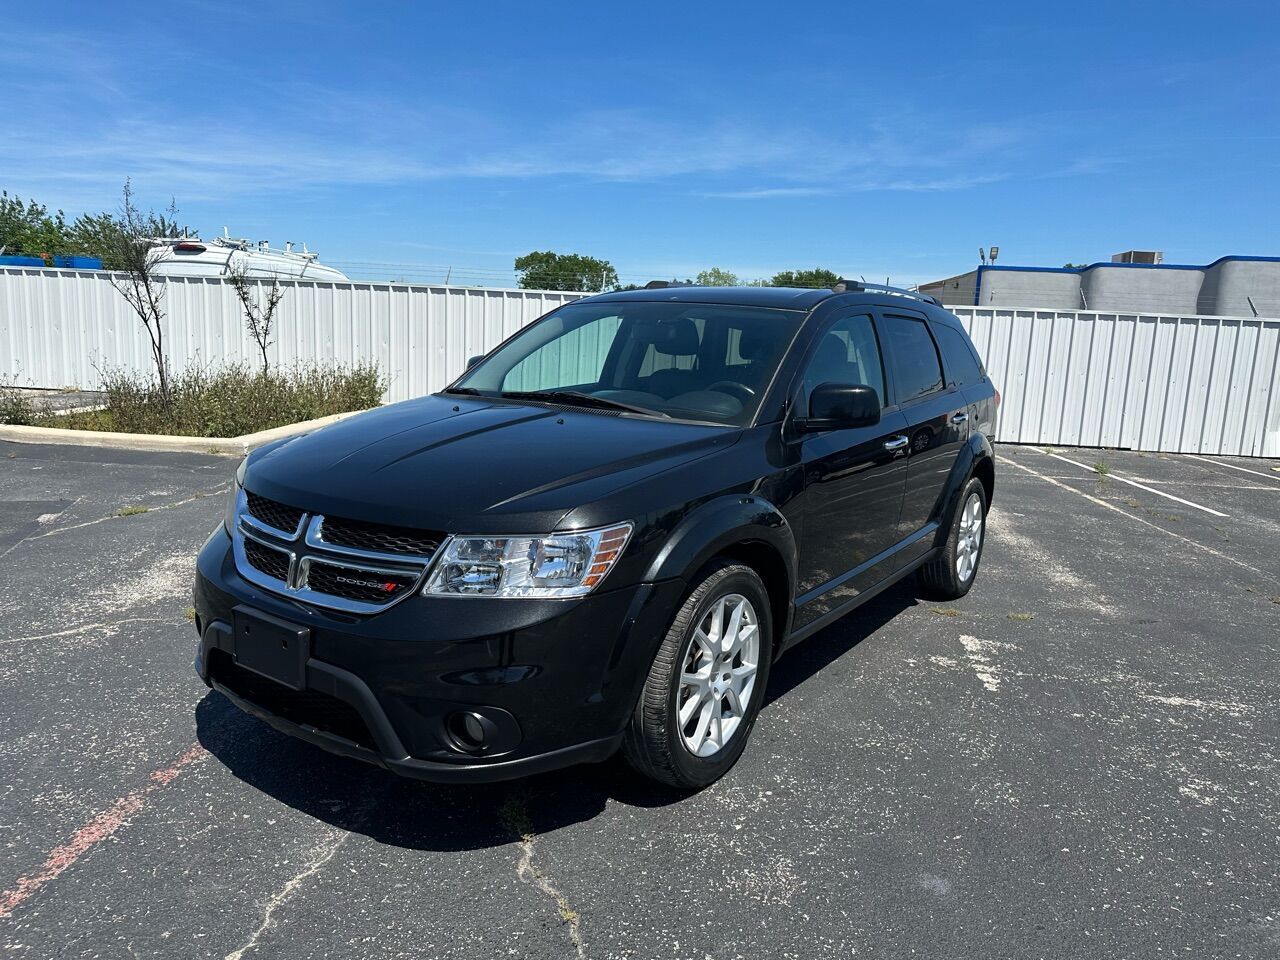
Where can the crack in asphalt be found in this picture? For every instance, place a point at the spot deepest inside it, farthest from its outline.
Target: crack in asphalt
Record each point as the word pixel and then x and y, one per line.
pixel 323 853
pixel 203 495
pixel 515 817
pixel 111 629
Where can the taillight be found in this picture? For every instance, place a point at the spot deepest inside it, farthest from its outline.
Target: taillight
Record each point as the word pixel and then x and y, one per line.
pixel 997 397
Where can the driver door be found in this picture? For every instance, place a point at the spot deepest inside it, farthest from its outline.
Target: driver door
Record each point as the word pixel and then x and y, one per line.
pixel 853 479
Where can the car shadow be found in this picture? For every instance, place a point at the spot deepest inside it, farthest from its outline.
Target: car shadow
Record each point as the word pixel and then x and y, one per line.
pixel 415 814
pixel 364 799
pixel 826 646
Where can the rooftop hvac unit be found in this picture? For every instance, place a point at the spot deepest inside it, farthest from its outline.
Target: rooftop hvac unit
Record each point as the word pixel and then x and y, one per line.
pixel 1139 256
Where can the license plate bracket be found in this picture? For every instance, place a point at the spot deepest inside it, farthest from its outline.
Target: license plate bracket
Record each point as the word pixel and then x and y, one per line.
pixel 271 647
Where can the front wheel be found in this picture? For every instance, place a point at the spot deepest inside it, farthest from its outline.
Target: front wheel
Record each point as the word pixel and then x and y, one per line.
pixel 707 682
pixel 951 574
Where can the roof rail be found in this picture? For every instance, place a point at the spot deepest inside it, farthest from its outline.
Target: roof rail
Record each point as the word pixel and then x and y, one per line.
pixel 661 284
pixel 858 286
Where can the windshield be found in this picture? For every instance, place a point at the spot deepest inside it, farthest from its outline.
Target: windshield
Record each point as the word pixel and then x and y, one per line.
pixel 689 361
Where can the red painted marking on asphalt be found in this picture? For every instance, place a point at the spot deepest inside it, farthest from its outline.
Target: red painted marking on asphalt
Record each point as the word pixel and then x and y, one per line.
pixel 93 833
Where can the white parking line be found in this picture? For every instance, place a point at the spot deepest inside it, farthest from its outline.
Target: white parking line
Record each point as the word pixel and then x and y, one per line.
pixel 1140 486
pixel 1124 513
pixel 1220 463
pixel 1208 485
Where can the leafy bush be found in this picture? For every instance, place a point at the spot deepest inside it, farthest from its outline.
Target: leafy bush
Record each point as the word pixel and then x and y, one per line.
pixel 228 400
pixel 16 408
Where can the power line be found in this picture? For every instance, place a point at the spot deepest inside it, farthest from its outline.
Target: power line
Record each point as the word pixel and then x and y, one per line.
pixel 489 276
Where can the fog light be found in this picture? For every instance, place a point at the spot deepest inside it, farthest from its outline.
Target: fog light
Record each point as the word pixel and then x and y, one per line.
pixel 469 731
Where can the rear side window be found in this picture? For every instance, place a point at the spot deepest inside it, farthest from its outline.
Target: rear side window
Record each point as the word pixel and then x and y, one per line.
pixel 962 363
pixel 916 368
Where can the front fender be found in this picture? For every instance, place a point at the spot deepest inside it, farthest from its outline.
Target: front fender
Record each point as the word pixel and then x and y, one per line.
pixel 707 530
pixel 719 524
pixel 975 451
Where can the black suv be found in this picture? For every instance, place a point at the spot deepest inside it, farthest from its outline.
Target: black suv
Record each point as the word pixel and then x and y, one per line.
pixel 603 533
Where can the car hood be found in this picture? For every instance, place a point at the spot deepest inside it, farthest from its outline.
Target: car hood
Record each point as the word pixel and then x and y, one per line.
pixel 470 465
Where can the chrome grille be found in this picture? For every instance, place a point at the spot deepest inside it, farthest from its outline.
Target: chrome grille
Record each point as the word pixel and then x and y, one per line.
pixel 364 568
pixel 274 514
pixel 268 560
pixel 379 538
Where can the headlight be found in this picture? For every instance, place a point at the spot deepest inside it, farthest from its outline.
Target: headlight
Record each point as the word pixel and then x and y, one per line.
pixel 229 516
pixel 559 565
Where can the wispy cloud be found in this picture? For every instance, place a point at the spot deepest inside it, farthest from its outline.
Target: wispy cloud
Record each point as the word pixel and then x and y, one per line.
pixel 209 157
pixel 911 186
pixel 769 193
pixel 295 138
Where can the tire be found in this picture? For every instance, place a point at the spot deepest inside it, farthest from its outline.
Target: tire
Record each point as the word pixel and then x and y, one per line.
pixel 656 742
pixel 950 575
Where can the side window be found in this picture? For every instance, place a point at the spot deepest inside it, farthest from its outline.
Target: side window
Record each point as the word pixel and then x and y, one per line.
pixel 962 363
pixel 847 353
pixel 916 369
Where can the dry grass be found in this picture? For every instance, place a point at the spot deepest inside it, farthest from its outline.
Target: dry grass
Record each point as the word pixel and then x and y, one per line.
pixel 224 401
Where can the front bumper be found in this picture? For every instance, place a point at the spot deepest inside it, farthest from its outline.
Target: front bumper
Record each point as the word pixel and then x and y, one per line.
pixel 555 681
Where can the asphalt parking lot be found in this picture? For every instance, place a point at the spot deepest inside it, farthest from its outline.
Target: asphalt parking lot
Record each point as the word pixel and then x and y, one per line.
pixel 1081 758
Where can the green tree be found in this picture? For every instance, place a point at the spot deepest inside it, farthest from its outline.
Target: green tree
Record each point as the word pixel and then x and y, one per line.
pixel 29 229
pixel 97 235
pixel 817 277
pixel 715 277
pixel 565 271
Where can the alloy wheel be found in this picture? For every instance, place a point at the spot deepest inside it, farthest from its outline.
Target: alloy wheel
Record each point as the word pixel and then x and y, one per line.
pixel 969 537
pixel 718 675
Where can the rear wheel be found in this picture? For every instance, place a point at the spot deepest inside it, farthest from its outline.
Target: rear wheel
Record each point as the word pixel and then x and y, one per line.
pixel 707 682
pixel 951 574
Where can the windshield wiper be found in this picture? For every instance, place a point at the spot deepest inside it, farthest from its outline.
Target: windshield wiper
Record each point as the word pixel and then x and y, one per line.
pixel 576 398
pixel 465 391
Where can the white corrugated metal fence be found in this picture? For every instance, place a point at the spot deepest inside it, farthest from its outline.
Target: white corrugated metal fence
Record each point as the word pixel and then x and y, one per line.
pixel 1076 378
pixel 58 327
pixel 1162 383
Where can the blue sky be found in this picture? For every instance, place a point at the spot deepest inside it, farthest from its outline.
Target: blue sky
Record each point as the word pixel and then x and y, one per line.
pixel 892 139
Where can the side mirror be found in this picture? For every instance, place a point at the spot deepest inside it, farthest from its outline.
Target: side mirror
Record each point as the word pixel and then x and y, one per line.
pixel 471 362
pixel 840 406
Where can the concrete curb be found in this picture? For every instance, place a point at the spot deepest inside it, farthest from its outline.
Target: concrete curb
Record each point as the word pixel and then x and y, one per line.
pixel 237 446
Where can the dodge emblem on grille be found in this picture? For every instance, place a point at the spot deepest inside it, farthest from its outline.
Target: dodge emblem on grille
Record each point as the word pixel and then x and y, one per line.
pixel 386 586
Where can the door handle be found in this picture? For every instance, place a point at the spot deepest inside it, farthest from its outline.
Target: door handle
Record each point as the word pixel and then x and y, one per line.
pixel 896 443
pixel 959 417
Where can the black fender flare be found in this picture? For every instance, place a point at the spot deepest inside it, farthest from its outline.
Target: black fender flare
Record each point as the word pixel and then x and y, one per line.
pixel 976 451
pixel 708 530
pixel 718 525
